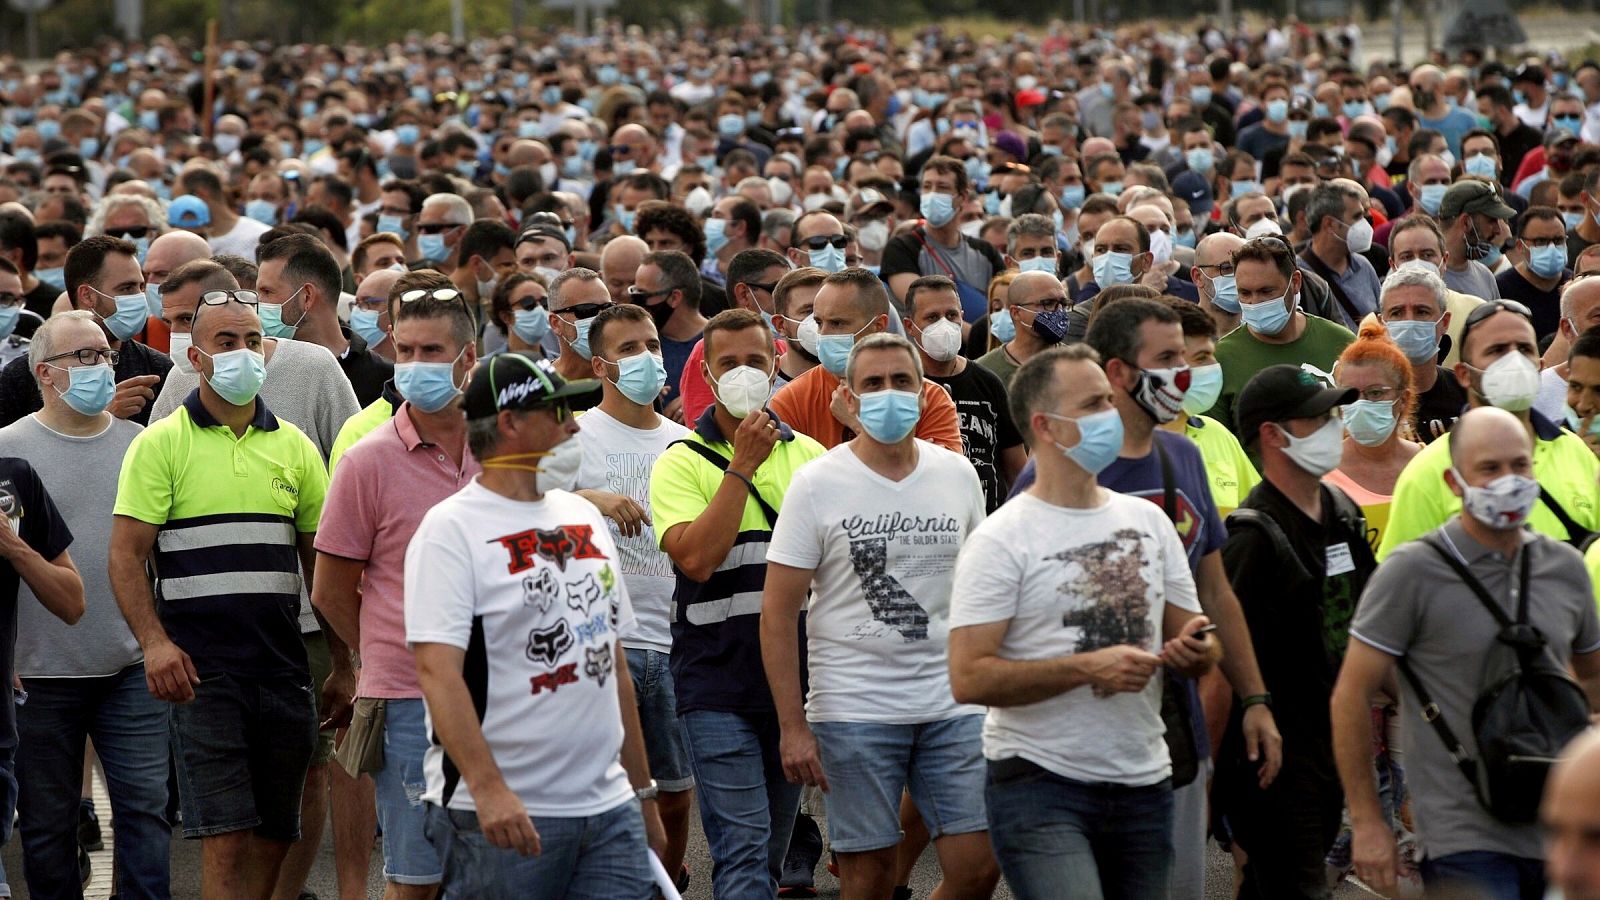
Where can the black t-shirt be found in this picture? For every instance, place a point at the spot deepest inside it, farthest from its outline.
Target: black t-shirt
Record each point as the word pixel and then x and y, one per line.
pixel 27 508
pixel 1546 305
pixel 19 393
pixel 40 299
pixel 1513 147
pixel 1300 630
pixel 366 371
pixel 986 426
pixel 1439 406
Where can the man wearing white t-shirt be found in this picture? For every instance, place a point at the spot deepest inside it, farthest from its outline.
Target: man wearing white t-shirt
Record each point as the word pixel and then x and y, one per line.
pixel 621 439
pixel 1067 602
pixel 536 775
pixel 872 530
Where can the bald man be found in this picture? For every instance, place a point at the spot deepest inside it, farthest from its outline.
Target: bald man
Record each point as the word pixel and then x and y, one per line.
pixel 1212 274
pixel 1571 819
pixel 166 254
pixel 1418 609
pixel 1033 317
pixel 619 262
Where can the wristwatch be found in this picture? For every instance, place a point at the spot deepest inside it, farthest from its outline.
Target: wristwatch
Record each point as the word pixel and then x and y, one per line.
pixel 648 792
pixel 1256 700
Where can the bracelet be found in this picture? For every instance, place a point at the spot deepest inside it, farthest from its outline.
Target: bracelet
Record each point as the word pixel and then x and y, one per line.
pixel 648 792
pixel 1256 700
pixel 747 482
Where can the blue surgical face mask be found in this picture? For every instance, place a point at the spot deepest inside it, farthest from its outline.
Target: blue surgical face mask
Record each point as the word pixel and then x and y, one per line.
pixel 364 322
pixel 1243 186
pixel 1200 95
pixel 1432 196
pixel 8 320
pixel 262 211
pixel 531 325
pixel 1038 264
pixel 467 169
pixel 129 319
pixel 1571 219
pixel 1277 110
pixel 429 386
pixel 236 375
pixel 272 323
pixel 1112 268
pixel 1569 124
pixel 640 377
pixel 1184 238
pixel 938 208
pixel 1114 188
pixel 580 346
pixel 1205 386
pixel 1479 164
pixel 834 350
pixel 56 278
pixel 624 216
pixel 152 297
pixel 393 225
pixel 1099 439
pixel 1268 317
pixel 89 389
pixel 1297 129
pixel 623 167
pixel 889 417
pixel 1225 294
pixel 407 135
pixel 1548 261
pixel 1072 196
pixel 829 259
pixel 716 235
pixel 1416 339
pixel 432 247
pixel 1002 326
pixel 1369 422
pixel 1200 160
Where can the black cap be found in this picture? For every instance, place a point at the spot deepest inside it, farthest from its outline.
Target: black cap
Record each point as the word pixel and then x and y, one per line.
pixel 1284 392
pixel 1531 73
pixel 542 230
pixel 517 381
pixel 1470 195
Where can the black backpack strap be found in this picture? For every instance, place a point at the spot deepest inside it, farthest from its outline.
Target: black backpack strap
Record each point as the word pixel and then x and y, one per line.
pixel 1577 535
pixel 1169 485
pixel 1476 586
pixel 721 462
pixel 1245 516
pixel 1432 715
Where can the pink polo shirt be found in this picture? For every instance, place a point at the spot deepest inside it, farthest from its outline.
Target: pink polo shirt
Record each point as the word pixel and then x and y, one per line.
pixel 381 489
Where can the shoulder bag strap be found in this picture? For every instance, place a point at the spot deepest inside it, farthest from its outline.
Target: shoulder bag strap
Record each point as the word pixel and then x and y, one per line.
pixel 721 462
pixel 1327 275
pixel 938 257
pixel 1576 534
pixel 1169 488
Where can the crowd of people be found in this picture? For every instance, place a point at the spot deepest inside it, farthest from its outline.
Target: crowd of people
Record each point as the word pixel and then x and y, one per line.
pixel 1061 450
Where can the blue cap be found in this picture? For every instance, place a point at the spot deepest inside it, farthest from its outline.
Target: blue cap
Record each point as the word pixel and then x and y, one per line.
pixel 188 211
pixel 1191 187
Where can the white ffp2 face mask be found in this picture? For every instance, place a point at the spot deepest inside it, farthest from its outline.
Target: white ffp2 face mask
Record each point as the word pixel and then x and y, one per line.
pixel 1511 382
pixel 742 390
pixel 942 340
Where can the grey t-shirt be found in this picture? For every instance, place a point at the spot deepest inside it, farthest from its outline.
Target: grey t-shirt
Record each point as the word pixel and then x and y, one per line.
pixel 1474 281
pixel 1418 608
pixel 81 476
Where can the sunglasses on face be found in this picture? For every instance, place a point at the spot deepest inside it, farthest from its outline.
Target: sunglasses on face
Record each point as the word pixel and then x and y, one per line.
pixel 583 311
pixel 128 234
pixel 822 241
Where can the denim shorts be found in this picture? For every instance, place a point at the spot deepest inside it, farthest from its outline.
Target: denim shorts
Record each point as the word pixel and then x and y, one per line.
pixel 664 743
pixel 599 857
pixel 869 765
pixel 408 858
pixel 242 747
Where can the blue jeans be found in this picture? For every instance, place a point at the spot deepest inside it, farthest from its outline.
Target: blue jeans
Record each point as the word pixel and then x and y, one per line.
pixel 664 744
pixel 1055 837
pixel 408 857
pixel 129 728
pixel 1495 876
pixel 747 806
pixel 603 857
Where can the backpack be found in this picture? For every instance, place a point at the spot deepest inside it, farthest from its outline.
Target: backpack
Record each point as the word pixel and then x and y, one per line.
pixel 1345 511
pixel 1527 708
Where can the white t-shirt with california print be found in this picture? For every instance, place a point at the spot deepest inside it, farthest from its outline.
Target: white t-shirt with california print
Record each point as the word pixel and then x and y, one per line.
pixel 617 458
pixel 884 553
pixel 532 592
pixel 1074 581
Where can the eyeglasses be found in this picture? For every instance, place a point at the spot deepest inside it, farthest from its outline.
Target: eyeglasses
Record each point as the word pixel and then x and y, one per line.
pixel 620 150
pixel 1380 393
pixel 221 298
pixel 1222 269
pixel 372 304
pixel 1546 242
pixel 583 310
pixel 639 297
pixel 9 300
pixel 1046 304
pixel 821 241
pixel 128 234
pixel 438 227
pixel 88 356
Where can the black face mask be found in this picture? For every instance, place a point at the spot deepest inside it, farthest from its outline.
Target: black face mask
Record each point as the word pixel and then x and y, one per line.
pixel 660 312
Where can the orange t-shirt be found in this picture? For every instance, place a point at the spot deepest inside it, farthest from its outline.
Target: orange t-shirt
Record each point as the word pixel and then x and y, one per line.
pixel 805 404
pixel 157 334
